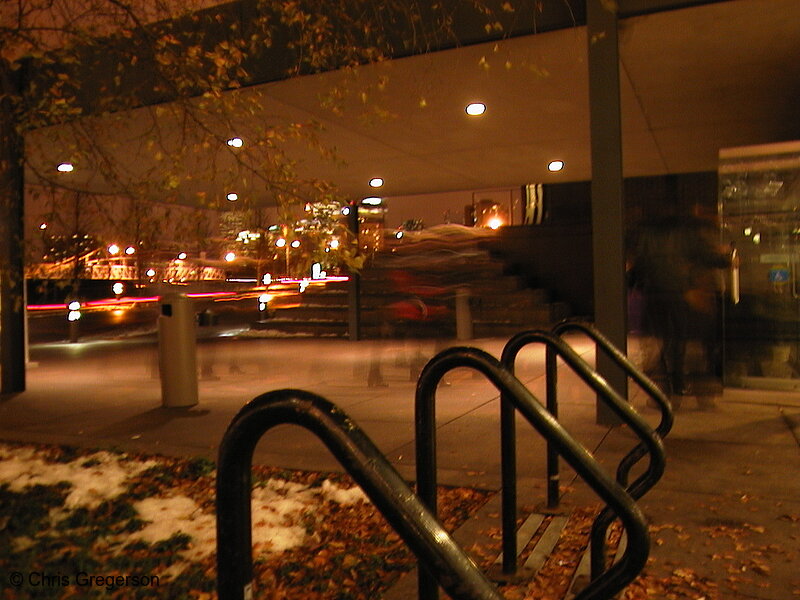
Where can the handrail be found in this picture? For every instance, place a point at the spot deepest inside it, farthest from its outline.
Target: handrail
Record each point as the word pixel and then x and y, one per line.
pixel 517 395
pixel 404 511
pixel 649 439
pixel 639 487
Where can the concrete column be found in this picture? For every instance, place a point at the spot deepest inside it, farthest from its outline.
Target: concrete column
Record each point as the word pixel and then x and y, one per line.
pixel 608 217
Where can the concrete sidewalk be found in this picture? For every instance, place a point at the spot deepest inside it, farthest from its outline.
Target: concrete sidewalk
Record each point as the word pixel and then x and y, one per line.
pixel 727 509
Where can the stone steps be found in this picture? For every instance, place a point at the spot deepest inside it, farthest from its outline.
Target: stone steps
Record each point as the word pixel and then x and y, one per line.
pixel 426 276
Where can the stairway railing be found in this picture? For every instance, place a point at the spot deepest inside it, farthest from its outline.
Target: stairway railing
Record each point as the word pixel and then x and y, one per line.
pixel 516 395
pixel 650 442
pixel 404 511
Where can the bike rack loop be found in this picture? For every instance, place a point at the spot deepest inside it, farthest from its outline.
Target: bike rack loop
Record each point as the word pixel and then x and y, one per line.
pixel 639 487
pixel 635 557
pixel 637 375
pixel 418 527
pixel 650 442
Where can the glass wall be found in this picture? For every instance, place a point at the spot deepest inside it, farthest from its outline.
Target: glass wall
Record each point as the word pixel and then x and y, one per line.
pixel 759 203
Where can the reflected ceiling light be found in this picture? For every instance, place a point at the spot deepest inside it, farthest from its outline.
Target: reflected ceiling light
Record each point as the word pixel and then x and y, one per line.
pixel 232 197
pixel 376 182
pixel 555 165
pixel 151 273
pixel 230 257
pixel 235 142
pixel 475 109
pixel 280 242
pixel 113 249
pixel 130 250
pixel 372 201
pixel 295 244
pixel 65 167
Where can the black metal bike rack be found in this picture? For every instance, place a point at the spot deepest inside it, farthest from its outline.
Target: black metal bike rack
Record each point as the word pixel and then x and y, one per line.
pixel 647 385
pixel 516 396
pixel 641 486
pixel 404 511
pixel 650 440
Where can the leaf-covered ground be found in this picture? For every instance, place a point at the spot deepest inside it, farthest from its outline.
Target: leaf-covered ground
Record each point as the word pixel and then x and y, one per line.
pixel 84 524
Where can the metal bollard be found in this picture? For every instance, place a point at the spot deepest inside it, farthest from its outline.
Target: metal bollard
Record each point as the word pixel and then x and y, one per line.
pixel 463 315
pixel 177 352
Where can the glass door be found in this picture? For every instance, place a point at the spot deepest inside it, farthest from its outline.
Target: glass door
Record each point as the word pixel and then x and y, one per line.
pixel 759 203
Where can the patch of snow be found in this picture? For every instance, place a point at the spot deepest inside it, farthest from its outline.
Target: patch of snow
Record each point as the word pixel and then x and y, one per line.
pixel 341 495
pixel 280 508
pixel 94 478
pixel 177 514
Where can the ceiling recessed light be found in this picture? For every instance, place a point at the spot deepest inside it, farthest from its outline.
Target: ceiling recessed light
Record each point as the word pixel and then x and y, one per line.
pixel 555 165
pixel 475 109
pixel 235 142
pixel 376 182
pixel 65 167
pixel 232 197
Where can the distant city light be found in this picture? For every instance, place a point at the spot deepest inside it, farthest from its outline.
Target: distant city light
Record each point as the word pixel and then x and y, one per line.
pixel 317 272
pixel 118 288
pixel 295 244
pixel 74 305
pixel 475 109
pixel 65 167
pixel 130 250
pixel 232 197
pixel 399 235
pixel 182 256
pixel 334 243
pixel 267 279
pixel 230 257
pixel 555 165
pixel 113 249
pixel 280 242
pixel 235 142
pixel 43 226
pixel 151 273
pixel 376 182
pixel 345 210
pixel 748 231
pixel 372 201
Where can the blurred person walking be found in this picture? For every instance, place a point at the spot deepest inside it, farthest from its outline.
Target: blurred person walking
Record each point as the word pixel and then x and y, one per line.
pixel 677 266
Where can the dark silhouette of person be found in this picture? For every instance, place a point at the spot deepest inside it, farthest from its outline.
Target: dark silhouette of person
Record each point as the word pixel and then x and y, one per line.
pixel 677 266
